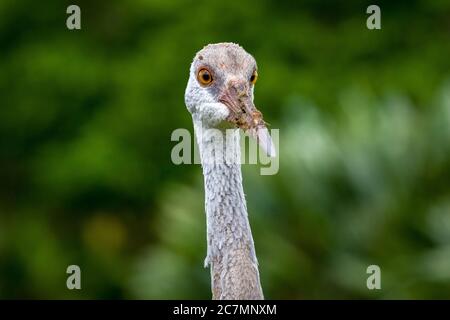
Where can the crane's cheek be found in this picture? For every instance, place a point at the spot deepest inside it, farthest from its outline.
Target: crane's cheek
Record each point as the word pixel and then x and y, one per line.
pixel 213 114
pixel 224 111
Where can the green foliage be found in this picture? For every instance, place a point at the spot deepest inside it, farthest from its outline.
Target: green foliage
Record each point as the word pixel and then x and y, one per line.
pixel 85 170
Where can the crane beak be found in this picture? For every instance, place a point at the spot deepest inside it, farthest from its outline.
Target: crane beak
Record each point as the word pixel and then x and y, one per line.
pixel 244 115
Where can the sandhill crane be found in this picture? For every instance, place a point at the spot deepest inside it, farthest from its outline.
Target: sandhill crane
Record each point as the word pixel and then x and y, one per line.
pixel 219 95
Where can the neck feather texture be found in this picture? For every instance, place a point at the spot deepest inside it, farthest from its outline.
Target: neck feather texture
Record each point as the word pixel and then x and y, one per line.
pixel 231 251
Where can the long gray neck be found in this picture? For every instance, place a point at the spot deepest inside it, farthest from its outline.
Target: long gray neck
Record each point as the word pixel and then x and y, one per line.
pixel 231 251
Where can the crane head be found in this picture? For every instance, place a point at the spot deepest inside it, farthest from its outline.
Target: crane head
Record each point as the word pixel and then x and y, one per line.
pixel 220 90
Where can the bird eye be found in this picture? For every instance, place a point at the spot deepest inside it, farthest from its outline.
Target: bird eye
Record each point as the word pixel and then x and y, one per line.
pixel 254 77
pixel 204 77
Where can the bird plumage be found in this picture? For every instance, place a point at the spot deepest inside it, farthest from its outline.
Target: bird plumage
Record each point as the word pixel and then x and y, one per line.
pixel 219 95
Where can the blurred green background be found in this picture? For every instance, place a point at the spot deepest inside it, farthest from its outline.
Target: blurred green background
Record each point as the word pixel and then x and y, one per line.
pixel 85 170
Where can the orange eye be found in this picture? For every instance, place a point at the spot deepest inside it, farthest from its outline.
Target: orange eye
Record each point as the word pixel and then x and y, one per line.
pixel 254 77
pixel 204 77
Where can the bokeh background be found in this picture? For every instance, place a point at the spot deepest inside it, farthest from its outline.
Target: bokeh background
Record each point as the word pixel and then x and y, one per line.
pixel 85 170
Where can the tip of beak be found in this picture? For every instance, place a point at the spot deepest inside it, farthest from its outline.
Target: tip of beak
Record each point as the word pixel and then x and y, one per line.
pixel 265 141
pixel 272 153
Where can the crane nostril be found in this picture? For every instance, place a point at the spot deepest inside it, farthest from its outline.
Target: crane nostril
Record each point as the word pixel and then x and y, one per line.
pixel 239 89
